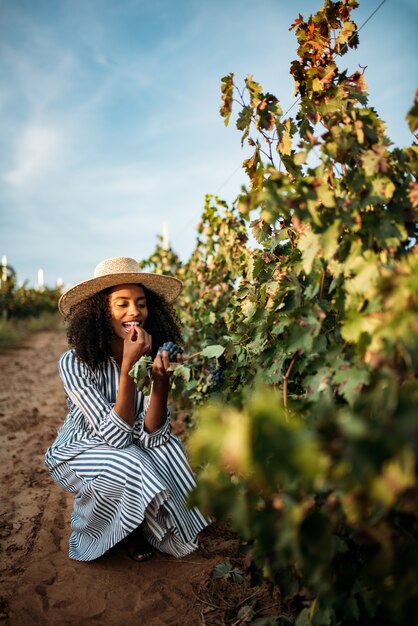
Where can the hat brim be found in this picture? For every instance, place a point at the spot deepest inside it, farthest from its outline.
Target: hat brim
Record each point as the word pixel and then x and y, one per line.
pixel 166 286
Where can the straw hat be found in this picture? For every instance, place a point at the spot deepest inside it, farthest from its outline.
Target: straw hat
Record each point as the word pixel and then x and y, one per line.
pixel 119 271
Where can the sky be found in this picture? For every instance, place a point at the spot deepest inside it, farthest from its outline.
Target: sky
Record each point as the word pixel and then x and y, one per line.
pixel 109 116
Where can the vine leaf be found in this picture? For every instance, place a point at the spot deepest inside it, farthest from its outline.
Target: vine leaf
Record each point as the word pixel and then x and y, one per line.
pixel 412 116
pixel 227 89
pixel 226 571
pixel 222 570
pixel 180 371
pixel 213 352
pixel 140 371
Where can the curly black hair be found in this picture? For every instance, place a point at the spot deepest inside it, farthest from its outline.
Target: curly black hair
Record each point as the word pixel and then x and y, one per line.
pixel 90 331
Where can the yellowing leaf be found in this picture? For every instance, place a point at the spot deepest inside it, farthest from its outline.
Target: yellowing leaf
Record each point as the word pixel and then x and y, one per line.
pixel 355 324
pixel 383 187
pixel 249 309
pixel 235 448
pixel 326 196
pixel 397 475
pixel 254 90
pixel 309 244
pixel 285 137
pixel 413 195
pixel 412 116
pixel 375 160
pixel 366 274
pixel 330 239
pixel 227 88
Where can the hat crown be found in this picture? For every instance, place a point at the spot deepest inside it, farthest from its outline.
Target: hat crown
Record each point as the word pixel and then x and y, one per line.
pixel 116 265
pixel 119 271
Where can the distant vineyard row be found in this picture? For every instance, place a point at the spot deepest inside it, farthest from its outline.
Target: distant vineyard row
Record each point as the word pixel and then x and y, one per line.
pixel 22 302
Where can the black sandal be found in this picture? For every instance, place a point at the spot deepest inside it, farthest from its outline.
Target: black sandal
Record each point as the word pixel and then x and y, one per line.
pixel 139 549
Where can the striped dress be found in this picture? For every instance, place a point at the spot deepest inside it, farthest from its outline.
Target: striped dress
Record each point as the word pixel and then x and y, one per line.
pixel 120 475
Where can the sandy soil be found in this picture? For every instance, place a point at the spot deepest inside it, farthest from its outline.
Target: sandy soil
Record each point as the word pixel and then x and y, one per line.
pixel 40 585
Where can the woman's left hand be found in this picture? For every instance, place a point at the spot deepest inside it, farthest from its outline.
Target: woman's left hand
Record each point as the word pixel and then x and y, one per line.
pixel 160 367
pixel 157 411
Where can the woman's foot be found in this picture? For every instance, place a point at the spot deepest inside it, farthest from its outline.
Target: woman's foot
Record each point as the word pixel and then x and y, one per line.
pixel 138 547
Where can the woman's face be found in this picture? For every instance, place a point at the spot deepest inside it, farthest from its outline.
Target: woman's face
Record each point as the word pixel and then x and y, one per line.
pixel 128 307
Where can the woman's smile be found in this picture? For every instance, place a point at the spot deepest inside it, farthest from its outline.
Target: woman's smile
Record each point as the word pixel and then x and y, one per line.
pixel 129 325
pixel 128 309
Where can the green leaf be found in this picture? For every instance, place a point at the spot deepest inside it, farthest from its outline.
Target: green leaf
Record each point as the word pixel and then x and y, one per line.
pixel 303 618
pixel 350 381
pixel 140 371
pixel 299 339
pixel 267 110
pixel 244 118
pixel 290 164
pixel 255 169
pixel 237 576
pixel 222 570
pixel 213 352
pixel 180 371
pixel 317 383
pixel 246 613
pixel 260 229
pixel 323 617
pixel 244 121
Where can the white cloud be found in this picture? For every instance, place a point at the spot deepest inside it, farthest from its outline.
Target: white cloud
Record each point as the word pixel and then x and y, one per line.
pixel 39 152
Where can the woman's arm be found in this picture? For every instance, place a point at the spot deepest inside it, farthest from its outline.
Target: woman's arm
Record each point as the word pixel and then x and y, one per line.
pixel 80 385
pixel 138 343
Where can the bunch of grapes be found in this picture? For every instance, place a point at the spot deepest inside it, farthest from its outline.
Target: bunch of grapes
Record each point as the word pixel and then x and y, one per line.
pixel 172 349
pixel 217 374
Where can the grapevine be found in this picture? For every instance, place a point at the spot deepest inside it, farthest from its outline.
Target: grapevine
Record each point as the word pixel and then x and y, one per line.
pixel 181 374
pixel 310 449
pixel 22 302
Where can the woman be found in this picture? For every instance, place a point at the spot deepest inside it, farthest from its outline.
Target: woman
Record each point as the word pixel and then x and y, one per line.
pixel 114 451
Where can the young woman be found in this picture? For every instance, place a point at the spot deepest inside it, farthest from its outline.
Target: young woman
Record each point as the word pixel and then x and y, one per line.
pixel 129 475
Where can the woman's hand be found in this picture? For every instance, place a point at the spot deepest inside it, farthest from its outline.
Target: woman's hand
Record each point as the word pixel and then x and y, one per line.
pixel 137 343
pixel 157 409
pixel 160 367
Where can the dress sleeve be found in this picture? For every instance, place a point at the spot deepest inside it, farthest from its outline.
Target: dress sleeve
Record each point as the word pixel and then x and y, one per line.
pixel 154 439
pixel 81 387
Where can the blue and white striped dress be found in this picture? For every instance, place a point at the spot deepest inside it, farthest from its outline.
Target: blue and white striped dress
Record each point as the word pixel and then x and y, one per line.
pixel 120 474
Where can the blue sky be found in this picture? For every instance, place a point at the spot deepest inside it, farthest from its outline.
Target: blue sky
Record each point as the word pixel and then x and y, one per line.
pixel 109 119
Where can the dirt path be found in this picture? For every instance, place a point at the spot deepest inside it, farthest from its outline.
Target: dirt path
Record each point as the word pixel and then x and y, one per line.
pixel 40 585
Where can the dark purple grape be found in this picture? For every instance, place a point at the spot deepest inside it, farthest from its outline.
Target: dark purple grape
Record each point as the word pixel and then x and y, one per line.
pixel 217 374
pixel 172 349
